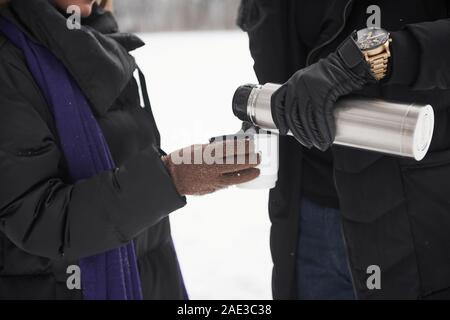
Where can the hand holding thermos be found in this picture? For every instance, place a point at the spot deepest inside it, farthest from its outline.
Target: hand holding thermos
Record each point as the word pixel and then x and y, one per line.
pixel 304 104
pixel 316 106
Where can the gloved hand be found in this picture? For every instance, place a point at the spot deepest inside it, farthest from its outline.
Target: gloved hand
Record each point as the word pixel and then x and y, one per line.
pixel 304 104
pixel 203 169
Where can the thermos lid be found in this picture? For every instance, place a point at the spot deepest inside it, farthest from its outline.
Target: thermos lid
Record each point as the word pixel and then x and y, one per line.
pixel 240 101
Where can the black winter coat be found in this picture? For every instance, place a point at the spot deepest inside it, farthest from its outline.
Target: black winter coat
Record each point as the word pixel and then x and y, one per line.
pixel 396 211
pixel 48 223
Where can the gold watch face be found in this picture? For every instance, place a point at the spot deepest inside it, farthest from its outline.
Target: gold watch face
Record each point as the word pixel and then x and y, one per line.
pixel 371 38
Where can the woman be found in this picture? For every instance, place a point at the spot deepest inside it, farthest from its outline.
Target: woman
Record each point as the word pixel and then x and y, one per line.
pixel 54 214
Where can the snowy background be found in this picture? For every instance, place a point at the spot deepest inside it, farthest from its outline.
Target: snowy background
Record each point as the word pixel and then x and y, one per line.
pixel 176 15
pixel 222 239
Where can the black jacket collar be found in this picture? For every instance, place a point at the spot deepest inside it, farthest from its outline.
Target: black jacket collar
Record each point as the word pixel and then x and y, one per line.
pixel 99 62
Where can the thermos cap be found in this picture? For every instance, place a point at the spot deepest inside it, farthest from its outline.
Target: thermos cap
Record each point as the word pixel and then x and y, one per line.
pixel 240 101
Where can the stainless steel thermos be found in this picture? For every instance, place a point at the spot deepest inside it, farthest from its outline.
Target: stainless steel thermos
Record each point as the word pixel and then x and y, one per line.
pixel 370 124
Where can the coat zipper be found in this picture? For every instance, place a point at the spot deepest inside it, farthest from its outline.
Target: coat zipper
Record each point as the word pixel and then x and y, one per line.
pixel 341 28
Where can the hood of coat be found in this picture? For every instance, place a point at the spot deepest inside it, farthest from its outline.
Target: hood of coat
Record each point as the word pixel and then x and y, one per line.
pixel 96 55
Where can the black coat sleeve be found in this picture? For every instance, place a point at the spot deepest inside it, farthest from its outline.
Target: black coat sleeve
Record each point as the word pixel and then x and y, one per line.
pixel 268 25
pixel 420 55
pixel 45 215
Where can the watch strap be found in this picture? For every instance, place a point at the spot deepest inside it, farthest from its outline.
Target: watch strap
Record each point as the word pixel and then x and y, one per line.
pixel 379 64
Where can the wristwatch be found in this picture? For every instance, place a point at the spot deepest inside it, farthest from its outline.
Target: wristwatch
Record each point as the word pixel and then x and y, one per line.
pixel 374 44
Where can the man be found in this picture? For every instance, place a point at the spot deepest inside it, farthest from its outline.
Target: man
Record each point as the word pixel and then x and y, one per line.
pixel 395 212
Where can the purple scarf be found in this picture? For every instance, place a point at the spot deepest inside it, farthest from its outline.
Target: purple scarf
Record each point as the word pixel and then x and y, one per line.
pixel 112 275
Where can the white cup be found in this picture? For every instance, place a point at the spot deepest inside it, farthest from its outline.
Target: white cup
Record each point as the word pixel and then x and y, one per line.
pixel 266 144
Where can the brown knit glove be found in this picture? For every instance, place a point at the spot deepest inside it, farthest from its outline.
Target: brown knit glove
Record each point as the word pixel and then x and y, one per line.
pixel 202 169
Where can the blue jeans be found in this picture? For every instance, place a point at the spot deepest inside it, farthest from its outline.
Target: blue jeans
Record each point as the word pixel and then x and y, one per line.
pixel 322 265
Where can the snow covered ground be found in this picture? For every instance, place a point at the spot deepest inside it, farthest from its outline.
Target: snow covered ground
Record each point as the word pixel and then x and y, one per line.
pixel 222 239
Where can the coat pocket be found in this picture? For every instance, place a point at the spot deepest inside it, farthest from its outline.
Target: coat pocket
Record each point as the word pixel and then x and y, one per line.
pixel 369 184
pixel 376 224
pixel 352 160
pixel 427 187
